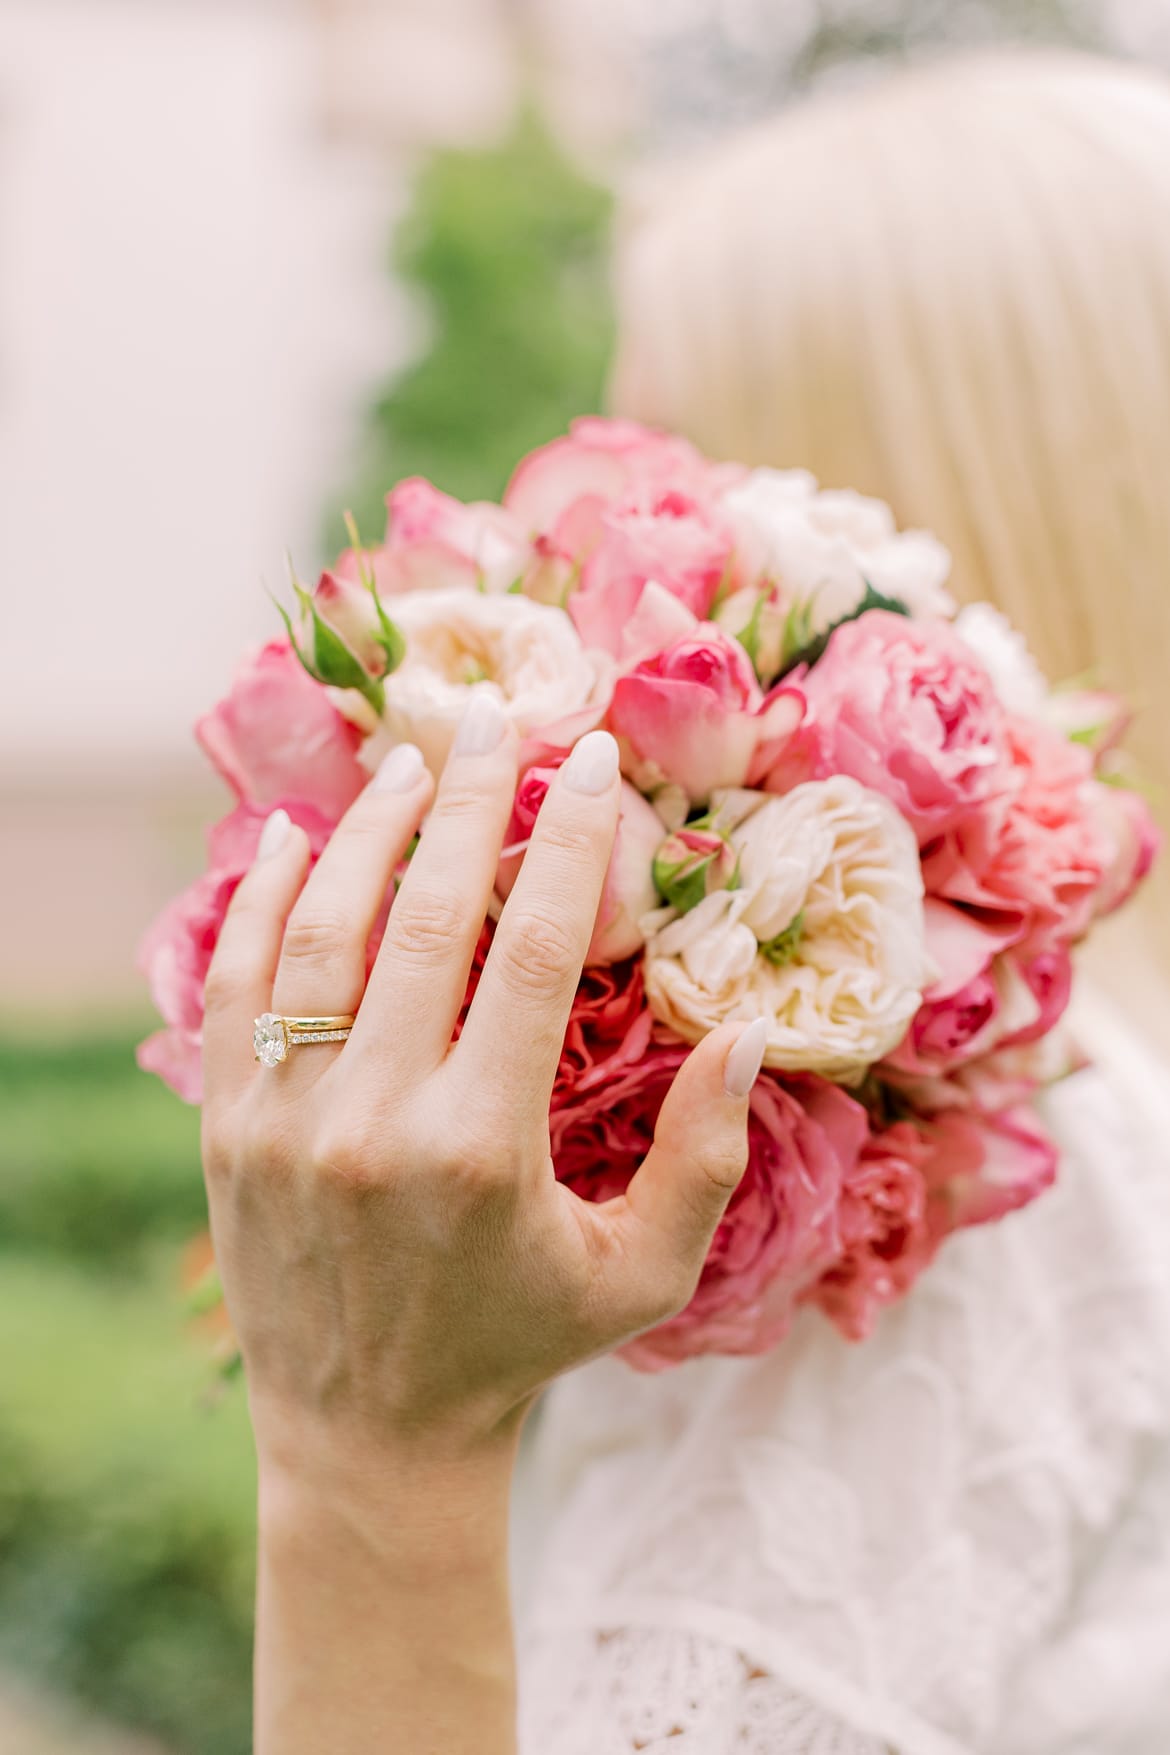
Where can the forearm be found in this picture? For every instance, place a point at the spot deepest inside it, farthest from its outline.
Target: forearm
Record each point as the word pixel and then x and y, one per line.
pixel 383 1618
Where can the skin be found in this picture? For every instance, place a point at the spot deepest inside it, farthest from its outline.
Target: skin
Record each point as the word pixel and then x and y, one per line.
pixel 402 1269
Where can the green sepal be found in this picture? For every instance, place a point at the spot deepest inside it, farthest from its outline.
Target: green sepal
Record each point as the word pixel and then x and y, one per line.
pixel 749 636
pixel 388 635
pixel 333 661
pixel 780 950
pixel 806 649
pixel 682 893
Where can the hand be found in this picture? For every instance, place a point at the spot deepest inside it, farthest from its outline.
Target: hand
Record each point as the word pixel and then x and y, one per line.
pixel 402 1269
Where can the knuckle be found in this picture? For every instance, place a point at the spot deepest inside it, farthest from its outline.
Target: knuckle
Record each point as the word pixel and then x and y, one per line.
pixel 457 801
pixel 221 987
pixel 420 930
pixel 570 839
pixel 349 1157
pixel 313 934
pixel 545 952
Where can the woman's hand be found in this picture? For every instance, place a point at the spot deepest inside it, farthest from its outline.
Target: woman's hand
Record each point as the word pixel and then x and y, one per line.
pixel 401 1267
pixel 400 1264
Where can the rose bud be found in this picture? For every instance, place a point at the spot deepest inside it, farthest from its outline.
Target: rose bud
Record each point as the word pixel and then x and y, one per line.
pixel 694 862
pixel 343 636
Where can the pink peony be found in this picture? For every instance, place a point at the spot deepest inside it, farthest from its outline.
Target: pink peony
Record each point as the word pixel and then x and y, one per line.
pixel 175 953
pixel 885 1235
pixel 780 1231
pixel 1039 860
pixel 1131 838
pixel 277 735
pixel 906 708
pixel 694 715
pixel 629 885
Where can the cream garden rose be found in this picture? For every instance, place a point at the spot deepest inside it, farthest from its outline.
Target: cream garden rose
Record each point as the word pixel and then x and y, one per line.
pixel 528 654
pixel 824 937
pixel 820 549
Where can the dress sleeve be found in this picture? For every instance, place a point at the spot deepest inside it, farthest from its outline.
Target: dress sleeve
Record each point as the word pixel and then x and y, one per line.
pixel 667 1691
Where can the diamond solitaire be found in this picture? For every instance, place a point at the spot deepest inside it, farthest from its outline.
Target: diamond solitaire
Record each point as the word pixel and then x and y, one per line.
pixel 270 1040
pixel 273 1036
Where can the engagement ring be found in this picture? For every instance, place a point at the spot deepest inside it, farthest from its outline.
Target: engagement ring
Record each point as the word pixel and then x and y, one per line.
pixel 273 1036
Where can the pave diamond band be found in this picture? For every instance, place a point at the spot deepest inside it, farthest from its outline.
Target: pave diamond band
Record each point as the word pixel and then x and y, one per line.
pixel 273 1035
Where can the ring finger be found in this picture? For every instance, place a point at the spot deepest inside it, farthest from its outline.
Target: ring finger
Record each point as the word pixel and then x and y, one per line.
pixel 322 968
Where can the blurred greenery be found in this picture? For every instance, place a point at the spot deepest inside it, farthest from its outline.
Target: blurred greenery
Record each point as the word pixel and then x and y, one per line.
pixel 507 252
pixel 126 1504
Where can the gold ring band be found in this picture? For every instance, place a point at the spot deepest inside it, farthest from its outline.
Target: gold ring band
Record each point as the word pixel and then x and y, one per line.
pixel 273 1035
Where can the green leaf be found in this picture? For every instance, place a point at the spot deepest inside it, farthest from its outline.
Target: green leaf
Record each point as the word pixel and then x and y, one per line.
pixel 749 636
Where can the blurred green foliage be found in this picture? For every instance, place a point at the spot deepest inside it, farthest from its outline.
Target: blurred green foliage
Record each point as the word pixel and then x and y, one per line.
pixel 126 1503
pixel 507 252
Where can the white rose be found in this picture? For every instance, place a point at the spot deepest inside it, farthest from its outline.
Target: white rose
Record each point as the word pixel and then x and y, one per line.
pixel 825 936
pixel 528 654
pixel 1003 652
pixel 823 548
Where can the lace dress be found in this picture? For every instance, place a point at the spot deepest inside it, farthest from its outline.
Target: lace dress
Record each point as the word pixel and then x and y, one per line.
pixel 951 1540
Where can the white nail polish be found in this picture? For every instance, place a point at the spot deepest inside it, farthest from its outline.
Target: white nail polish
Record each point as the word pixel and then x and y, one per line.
pixel 273 835
pixel 593 764
pixel 482 727
pixel 400 770
pixel 741 1069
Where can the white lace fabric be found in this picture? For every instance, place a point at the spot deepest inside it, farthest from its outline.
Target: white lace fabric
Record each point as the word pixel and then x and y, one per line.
pixel 953 1539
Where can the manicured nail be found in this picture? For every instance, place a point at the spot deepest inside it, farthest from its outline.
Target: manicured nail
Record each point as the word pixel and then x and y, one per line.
pixel 401 770
pixel 593 764
pixel 482 726
pixel 273 835
pixel 741 1069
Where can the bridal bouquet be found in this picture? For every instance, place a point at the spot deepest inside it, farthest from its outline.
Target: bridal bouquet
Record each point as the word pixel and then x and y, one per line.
pixel 846 808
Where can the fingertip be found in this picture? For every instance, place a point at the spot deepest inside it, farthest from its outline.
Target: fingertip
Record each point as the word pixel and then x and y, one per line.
pixel 274 835
pixel 744 1059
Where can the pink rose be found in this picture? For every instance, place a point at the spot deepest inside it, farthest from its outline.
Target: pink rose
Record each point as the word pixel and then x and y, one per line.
pixel 908 710
pixel 668 538
pixel 1131 839
pixel 695 715
pixel 176 951
pixel 1038 859
pixel 629 891
pixel 778 1234
pixel 434 541
pixel 562 487
pixel 885 1236
pixel 983 1166
pixel 277 735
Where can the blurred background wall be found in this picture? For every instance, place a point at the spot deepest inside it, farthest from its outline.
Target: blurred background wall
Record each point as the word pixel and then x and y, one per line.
pixel 256 260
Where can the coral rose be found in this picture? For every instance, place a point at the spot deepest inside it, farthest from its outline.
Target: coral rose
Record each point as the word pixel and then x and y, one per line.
pixel 884 1232
pixel 824 936
pixel 779 1232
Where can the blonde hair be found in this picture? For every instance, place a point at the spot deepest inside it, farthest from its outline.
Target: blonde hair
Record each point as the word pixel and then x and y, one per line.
pixel 951 290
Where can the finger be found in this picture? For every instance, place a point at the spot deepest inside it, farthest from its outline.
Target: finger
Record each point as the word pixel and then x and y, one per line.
pixel 322 969
pixel 239 980
pixel 420 978
pixel 515 1028
pixel 684 1184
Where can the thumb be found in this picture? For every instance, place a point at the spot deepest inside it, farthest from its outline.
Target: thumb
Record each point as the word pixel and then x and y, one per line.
pixel 700 1148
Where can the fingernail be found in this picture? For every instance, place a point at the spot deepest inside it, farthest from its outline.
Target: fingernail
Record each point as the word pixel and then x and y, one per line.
pixel 741 1069
pixel 273 835
pixel 593 764
pixel 400 770
pixel 482 726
